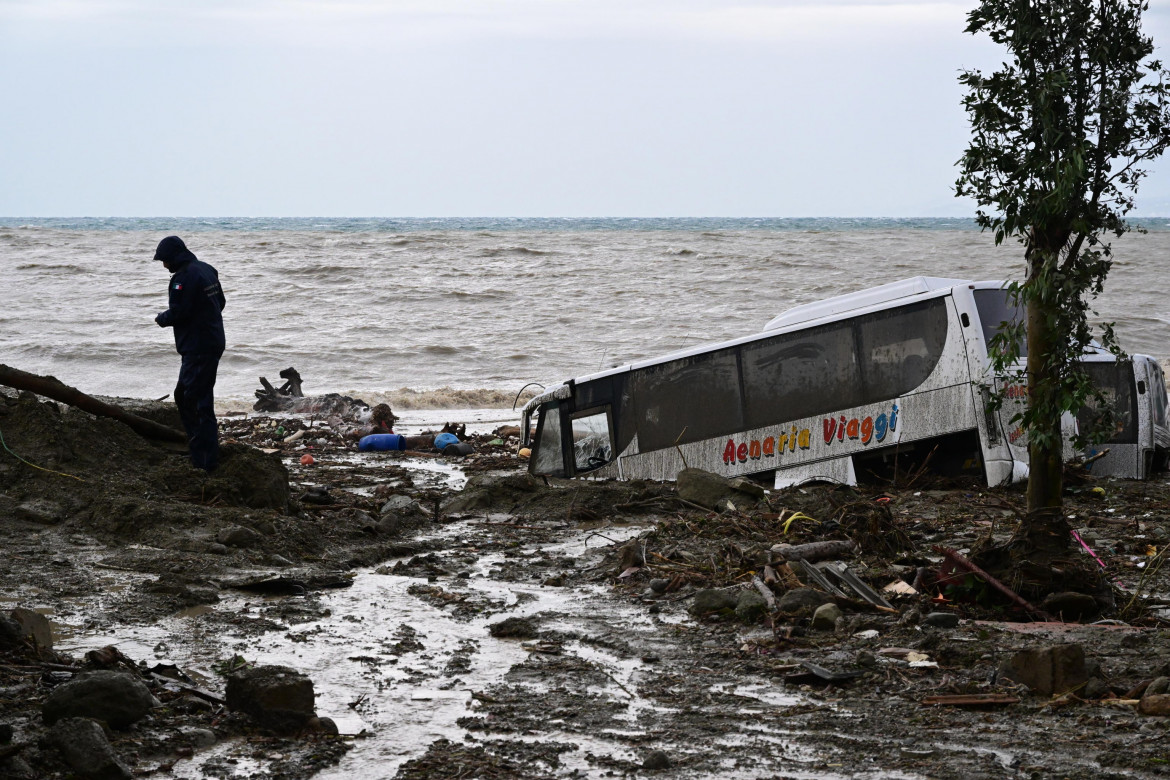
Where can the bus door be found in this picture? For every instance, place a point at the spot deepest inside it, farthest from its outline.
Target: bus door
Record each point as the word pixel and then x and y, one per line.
pixel 1121 454
pixel 1005 445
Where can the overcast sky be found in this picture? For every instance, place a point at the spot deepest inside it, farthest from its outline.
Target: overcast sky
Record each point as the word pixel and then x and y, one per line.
pixel 489 107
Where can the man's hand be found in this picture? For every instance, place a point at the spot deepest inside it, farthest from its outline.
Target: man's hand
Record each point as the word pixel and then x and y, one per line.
pixel 159 319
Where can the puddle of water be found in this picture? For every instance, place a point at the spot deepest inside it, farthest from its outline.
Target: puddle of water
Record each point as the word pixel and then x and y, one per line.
pixel 437 471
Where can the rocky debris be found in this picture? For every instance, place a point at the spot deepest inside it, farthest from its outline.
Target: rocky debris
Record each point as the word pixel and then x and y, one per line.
pixel 714 491
pixel 712 601
pixel 799 599
pixel 238 536
pixel 1158 686
pixel 1048 670
pixel 401 505
pixel 513 628
pixel 83 745
pixel 278 698
pixel 117 698
pixel 750 607
pixel 1156 704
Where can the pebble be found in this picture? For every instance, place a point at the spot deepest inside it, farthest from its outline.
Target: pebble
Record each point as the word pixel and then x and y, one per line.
pixel 941 620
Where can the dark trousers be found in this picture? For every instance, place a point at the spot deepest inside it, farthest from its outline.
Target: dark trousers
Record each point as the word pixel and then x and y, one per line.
pixel 196 401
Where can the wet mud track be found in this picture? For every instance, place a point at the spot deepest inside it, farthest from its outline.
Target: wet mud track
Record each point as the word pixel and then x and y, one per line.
pixel 506 651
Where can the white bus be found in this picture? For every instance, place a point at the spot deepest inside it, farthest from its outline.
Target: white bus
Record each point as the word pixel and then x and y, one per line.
pixel 830 390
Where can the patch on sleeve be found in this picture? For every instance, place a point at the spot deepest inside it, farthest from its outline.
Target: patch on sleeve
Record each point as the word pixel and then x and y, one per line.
pixel 178 286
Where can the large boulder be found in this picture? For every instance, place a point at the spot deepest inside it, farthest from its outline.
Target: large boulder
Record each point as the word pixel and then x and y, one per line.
pixel 84 746
pixel 118 698
pixel 826 616
pixel 1048 670
pixel 277 697
pixel 713 491
pixel 35 626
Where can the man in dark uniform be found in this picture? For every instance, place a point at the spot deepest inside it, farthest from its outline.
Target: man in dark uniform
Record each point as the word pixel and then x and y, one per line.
pixel 196 301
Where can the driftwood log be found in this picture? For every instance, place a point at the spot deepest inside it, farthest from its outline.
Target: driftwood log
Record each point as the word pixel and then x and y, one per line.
pixel 289 398
pixel 271 399
pixel 51 387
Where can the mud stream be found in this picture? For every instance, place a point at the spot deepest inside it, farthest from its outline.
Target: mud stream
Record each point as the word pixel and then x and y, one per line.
pixel 398 672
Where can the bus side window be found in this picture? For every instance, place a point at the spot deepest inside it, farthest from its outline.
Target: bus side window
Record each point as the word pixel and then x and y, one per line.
pixel 800 374
pixel 901 347
pixel 548 458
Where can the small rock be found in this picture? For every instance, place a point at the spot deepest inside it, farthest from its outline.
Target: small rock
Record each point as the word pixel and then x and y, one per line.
pixel 1095 688
pixel 215 548
pixel 238 536
pixel 941 620
pixel 513 628
pixel 85 748
pixel 265 527
pixel 1158 704
pixel 659 585
pixel 1158 686
pixel 656 759
pixel 118 698
pixel 750 606
pixel 42 512
pixel 826 616
pixel 1071 606
pixel 802 598
pixel 400 504
pixel 277 697
pixel 865 659
pixel 200 738
pixel 6 732
pixel 910 617
pixel 711 600
pixel 322 726
pixel 1048 670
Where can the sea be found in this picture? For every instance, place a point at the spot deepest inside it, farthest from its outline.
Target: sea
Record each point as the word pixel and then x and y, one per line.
pixel 467 313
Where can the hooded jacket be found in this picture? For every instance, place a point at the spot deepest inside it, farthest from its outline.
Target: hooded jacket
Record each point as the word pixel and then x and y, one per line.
pixel 196 302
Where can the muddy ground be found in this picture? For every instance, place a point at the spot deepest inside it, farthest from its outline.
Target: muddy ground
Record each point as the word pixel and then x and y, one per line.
pixel 508 626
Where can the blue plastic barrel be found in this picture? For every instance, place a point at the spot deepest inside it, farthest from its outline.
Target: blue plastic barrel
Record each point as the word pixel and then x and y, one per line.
pixel 445 440
pixel 382 441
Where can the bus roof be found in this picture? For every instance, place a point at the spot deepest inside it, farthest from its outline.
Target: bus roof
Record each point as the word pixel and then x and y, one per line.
pixel 862 298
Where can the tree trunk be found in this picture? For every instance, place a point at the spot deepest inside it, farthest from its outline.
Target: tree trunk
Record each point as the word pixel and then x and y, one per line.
pixel 1044 526
pixel 51 387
